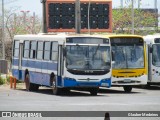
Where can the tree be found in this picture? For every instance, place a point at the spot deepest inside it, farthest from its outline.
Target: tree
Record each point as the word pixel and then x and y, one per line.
pixel 144 21
pixel 16 23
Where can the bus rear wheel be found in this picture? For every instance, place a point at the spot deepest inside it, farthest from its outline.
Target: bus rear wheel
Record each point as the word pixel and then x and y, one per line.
pixel 127 89
pixel 93 91
pixel 30 86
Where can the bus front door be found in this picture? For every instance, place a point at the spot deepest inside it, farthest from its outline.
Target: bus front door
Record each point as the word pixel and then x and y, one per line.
pixel 60 65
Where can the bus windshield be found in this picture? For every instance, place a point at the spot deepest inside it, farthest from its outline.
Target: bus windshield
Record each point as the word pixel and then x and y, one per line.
pixel 128 56
pixel 156 55
pixel 84 57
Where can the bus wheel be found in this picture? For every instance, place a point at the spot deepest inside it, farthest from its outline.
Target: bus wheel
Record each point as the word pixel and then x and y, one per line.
pixel 93 91
pixel 56 90
pixel 127 89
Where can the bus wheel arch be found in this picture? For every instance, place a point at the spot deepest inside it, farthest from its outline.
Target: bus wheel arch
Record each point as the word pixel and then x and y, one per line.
pixel 53 83
pixel 30 86
pixel 52 75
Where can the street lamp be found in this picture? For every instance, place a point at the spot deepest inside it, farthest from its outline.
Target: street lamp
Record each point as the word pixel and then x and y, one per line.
pixel 44 16
pixel 155 9
pixel 24 16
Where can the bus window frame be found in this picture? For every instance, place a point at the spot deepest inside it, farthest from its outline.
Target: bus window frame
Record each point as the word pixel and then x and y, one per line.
pixel 152 55
pixel 54 50
pixel 34 50
pixel 47 51
pixel 26 49
pixel 40 50
pixel 16 49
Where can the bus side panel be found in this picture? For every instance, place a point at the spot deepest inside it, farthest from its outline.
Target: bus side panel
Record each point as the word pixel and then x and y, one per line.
pixel 31 64
pixel 59 80
pixel 46 79
pixel 52 66
pixel 23 72
pixel 24 63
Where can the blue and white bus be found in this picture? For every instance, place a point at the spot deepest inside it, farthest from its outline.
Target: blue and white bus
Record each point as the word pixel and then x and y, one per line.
pixel 62 61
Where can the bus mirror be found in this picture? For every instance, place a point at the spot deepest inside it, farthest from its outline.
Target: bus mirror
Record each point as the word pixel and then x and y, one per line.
pixel 34 53
pixel 151 50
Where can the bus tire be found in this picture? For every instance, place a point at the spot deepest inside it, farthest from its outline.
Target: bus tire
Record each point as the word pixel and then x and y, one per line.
pixel 93 91
pixel 127 89
pixel 55 89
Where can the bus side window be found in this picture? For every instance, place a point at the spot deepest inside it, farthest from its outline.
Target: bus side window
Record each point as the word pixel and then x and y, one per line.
pixel 33 49
pixel 54 54
pixel 40 50
pixel 26 49
pixel 47 49
pixel 16 49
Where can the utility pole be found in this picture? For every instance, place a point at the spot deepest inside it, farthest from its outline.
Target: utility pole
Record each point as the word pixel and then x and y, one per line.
pixel 132 16
pixel 3 34
pixel 77 16
pixel 44 16
pixel 155 9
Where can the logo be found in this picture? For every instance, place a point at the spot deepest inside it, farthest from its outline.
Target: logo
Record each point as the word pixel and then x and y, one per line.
pixel 6 114
pixel 88 71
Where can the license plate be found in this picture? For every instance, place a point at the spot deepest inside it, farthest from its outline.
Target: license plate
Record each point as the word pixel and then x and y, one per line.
pixel 127 80
pixel 105 84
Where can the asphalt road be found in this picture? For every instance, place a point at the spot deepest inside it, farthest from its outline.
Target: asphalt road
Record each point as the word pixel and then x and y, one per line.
pixel 113 99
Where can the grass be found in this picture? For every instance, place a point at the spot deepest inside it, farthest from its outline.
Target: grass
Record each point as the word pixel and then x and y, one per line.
pixel 2 81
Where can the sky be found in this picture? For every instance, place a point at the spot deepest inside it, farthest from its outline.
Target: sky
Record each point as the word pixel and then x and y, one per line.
pixel 36 6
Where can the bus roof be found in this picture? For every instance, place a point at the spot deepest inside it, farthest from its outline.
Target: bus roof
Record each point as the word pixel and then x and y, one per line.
pixel 150 38
pixel 49 37
pixel 55 35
